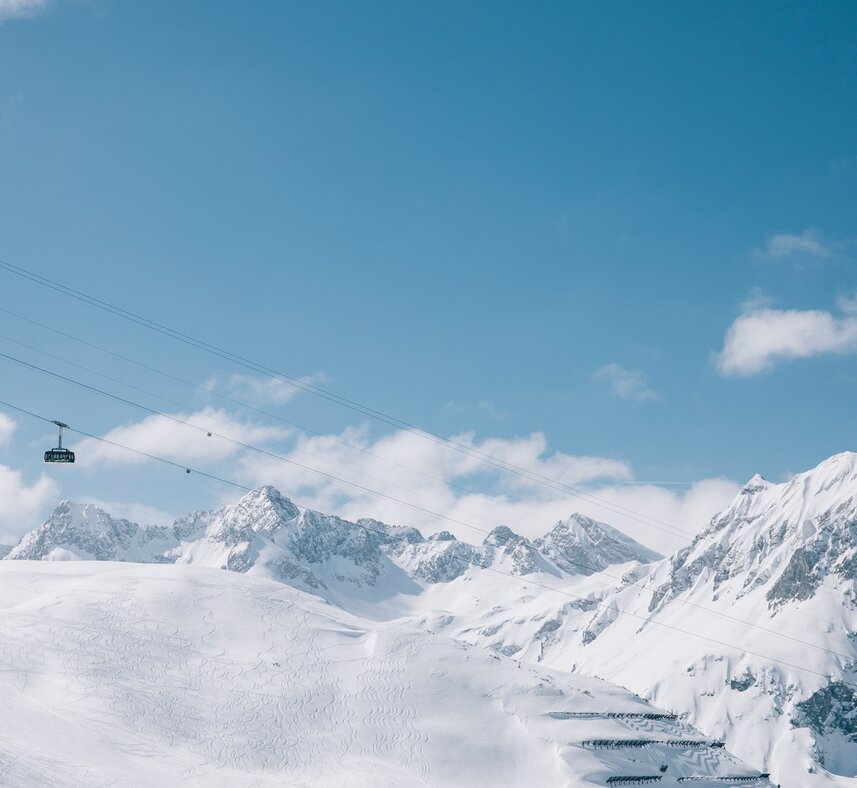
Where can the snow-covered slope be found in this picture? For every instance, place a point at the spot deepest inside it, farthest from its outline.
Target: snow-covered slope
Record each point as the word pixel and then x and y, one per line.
pixel 127 674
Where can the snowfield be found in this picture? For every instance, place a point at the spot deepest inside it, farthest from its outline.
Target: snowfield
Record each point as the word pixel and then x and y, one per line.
pixel 152 675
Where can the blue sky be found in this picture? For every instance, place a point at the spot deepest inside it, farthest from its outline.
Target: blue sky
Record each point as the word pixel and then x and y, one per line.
pixel 628 228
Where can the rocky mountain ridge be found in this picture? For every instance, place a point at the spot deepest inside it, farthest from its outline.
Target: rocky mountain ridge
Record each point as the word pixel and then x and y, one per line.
pixel 265 532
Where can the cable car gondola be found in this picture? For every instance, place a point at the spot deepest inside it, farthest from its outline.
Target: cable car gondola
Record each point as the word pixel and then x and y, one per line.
pixel 59 454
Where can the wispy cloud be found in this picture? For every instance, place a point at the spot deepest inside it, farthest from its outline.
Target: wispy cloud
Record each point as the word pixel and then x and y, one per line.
pixel 7 426
pixel 844 165
pixel 140 513
pixel 489 408
pixel 625 383
pixel 15 9
pixel 21 503
pixel 785 245
pixel 485 408
pixel 848 304
pixel 263 390
pixel 760 337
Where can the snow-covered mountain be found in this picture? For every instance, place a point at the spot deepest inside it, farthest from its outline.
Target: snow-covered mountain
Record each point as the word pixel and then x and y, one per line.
pixel 749 633
pixel 581 545
pixel 264 532
pixel 86 532
pixel 769 588
pixel 131 674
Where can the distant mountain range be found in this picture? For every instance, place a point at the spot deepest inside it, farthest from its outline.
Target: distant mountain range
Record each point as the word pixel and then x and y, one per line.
pixel 264 532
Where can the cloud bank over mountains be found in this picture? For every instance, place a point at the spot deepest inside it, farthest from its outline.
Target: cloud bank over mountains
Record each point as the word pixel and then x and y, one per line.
pixel 467 485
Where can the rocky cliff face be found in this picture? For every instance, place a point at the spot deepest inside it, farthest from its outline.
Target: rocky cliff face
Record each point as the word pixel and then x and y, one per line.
pixel 788 539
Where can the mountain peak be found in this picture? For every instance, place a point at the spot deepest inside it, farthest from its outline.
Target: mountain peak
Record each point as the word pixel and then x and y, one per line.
pixel 757 483
pixel 503 536
pixel 784 538
pixel 86 512
pixel 264 510
pixel 270 496
pixel 86 531
pixel 86 515
pixel 581 545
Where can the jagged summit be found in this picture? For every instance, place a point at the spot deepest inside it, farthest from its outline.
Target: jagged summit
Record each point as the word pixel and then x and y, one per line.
pixel 756 484
pixel 519 553
pixel 503 536
pixel 581 545
pixel 264 510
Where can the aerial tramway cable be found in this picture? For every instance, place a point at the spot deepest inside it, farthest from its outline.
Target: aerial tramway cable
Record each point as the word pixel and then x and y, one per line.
pixel 306 386
pixel 211 433
pixel 673 531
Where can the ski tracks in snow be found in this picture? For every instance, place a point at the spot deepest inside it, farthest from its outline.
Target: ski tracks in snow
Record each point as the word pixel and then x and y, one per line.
pixel 390 721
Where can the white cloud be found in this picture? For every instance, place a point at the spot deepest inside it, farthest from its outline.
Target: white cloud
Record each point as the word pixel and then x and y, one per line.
pixel 20 504
pixel 11 9
pixel 7 426
pixel 759 338
pixel 404 461
pixel 435 474
pixel 783 245
pixel 685 510
pixel 180 443
pixel 531 453
pixel 625 383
